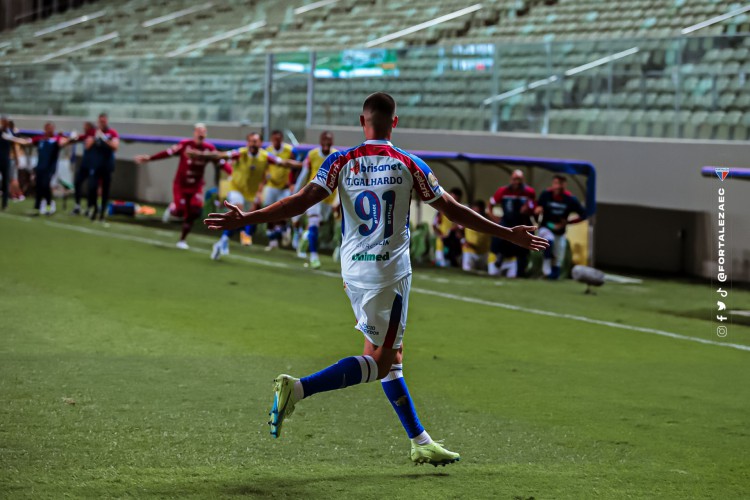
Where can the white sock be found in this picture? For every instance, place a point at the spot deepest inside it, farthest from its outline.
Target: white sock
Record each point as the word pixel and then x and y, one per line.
pixel 299 392
pixel 423 438
pixel 547 267
pixel 224 238
pixel 314 256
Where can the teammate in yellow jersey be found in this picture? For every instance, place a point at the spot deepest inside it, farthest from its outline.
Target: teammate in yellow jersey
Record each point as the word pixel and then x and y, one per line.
pixel 277 184
pixel 251 165
pixel 475 245
pixel 322 211
pixel 447 237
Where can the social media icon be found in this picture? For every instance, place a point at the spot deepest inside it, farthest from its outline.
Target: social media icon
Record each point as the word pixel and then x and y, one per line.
pixel 720 305
pixel 721 331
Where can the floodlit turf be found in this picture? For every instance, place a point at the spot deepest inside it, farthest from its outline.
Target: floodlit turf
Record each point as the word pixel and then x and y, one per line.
pixel 130 368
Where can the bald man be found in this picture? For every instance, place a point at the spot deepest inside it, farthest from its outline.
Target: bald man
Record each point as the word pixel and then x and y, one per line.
pixel 517 203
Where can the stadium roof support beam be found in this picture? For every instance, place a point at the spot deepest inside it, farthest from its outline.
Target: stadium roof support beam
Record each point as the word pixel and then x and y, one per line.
pixel 176 15
pixel 714 20
pixel 72 22
pixel 216 38
pixel 80 46
pixel 554 78
pixel 425 25
pixel 312 6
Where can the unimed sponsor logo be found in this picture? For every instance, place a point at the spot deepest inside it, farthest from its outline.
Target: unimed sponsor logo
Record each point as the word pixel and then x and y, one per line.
pixel 371 257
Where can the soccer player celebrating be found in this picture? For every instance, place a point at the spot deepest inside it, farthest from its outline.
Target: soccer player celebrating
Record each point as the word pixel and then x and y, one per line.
pixel 322 211
pixel 8 140
pixel 555 206
pixel 277 183
pixel 48 146
pixel 250 169
pixel 375 181
pixel 84 168
pixel 102 147
pixel 187 187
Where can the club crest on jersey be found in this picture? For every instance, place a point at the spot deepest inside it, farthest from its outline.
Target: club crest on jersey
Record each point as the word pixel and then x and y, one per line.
pixel 721 173
pixel 432 180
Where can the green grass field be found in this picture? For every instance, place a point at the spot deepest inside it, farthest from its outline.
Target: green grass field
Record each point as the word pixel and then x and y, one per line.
pixel 131 369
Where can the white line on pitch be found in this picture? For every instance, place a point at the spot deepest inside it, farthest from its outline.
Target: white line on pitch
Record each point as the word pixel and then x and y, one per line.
pixel 470 300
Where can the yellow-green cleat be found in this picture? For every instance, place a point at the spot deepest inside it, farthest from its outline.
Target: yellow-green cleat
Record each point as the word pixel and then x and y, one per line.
pixel 432 453
pixel 283 402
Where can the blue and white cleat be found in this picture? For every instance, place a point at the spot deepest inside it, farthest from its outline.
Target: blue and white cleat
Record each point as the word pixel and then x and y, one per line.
pixel 283 402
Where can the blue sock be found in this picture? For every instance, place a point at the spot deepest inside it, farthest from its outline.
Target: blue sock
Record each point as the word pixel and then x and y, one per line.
pixel 312 237
pixel 348 371
pixel 395 389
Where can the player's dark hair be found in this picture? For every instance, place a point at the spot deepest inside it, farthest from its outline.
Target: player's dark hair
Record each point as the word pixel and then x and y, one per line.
pixel 277 132
pixel 382 109
pixel 326 133
pixel 251 134
pixel 457 192
pixel 480 205
pixel 103 115
pixel 560 178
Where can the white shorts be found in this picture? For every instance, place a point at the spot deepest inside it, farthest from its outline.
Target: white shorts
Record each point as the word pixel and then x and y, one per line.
pixel 472 261
pixel 381 314
pixel 557 243
pixel 272 195
pixel 236 198
pixel 318 213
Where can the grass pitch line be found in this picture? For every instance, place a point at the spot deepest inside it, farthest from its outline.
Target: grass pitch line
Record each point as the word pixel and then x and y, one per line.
pixel 583 319
pixel 471 300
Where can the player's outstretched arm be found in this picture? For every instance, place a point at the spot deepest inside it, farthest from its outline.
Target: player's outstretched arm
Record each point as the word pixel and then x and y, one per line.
pixel 464 216
pixel 281 210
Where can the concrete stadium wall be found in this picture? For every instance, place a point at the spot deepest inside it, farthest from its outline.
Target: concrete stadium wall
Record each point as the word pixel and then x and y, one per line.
pixel 655 211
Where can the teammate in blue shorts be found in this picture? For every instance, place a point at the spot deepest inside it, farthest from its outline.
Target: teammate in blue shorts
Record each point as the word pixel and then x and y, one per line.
pixel 375 182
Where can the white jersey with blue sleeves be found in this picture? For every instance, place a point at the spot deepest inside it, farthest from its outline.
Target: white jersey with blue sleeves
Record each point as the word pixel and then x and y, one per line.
pixel 375 181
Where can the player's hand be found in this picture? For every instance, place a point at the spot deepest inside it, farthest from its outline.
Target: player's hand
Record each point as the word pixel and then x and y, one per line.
pixel 232 219
pixel 191 153
pixel 141 159
pixel 524 236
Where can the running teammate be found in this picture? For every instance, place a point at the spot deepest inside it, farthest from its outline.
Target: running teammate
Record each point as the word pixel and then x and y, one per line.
pixel 321 212
pixel 375 182
pixel 250 170
pixel 187 187
pixel 555 206
pixel 277 183
pixel 102 147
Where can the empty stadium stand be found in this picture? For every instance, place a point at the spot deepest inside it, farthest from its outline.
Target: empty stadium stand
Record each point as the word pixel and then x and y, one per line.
pixel 630 68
